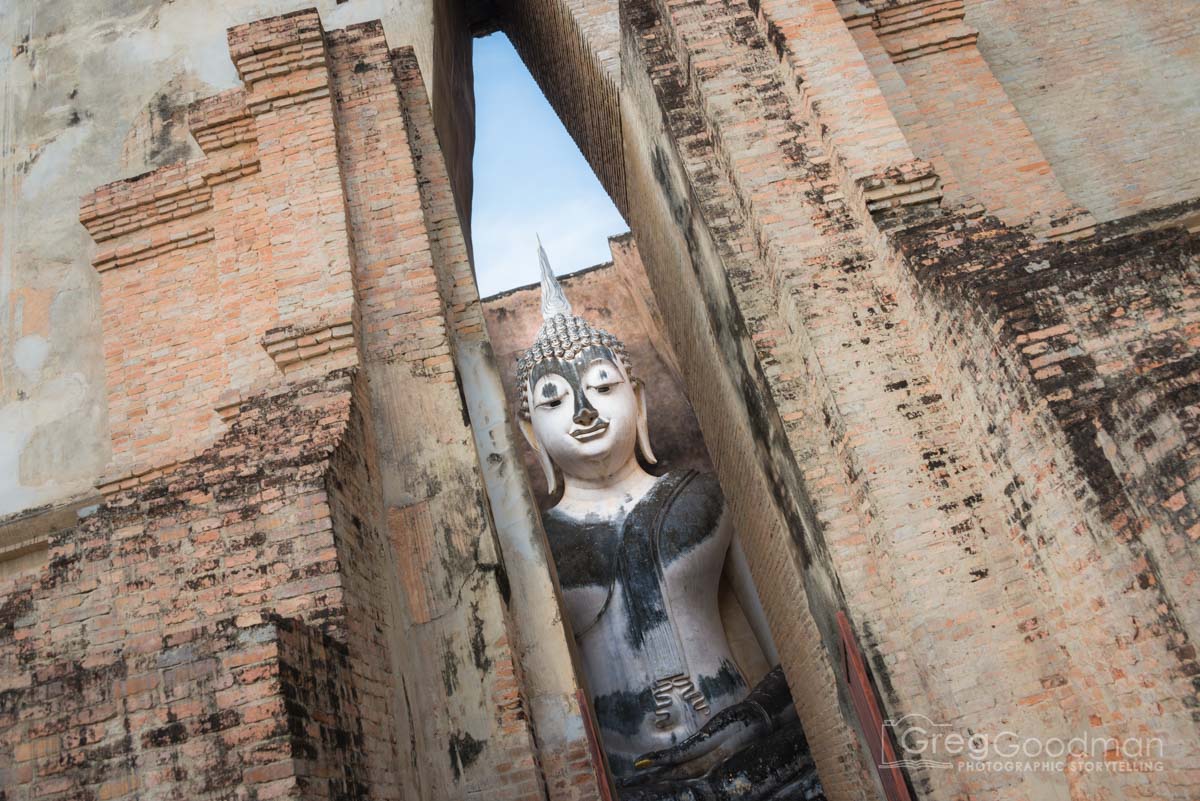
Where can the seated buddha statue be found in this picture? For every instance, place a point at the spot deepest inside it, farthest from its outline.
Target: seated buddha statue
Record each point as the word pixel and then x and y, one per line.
pixel 639 558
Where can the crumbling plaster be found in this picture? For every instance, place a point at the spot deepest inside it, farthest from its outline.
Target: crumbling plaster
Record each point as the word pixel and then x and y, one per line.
pixel 93 91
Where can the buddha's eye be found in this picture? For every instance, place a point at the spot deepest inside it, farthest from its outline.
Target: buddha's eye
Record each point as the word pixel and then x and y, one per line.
pixel 550 396
pixel 603 389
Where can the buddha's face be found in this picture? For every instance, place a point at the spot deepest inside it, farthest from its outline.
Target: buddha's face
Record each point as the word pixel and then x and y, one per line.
pixel 584 413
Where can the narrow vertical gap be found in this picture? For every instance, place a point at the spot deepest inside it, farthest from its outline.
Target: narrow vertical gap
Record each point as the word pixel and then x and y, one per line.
pixel 530 180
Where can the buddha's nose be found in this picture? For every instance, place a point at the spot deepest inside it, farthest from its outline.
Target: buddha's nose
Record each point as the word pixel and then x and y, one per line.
pixel 586 416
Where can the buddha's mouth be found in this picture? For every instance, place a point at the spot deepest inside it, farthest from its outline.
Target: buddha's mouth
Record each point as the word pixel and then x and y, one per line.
pixel 593 431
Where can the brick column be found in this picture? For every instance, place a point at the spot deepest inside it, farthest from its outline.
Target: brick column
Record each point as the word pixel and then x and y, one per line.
pixel 229 274
pixel 836 91
pixel 457 683
pixel 568 754
pixel 967 119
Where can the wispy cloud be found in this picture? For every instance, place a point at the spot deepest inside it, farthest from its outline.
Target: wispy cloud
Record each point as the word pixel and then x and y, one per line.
pixel 530 180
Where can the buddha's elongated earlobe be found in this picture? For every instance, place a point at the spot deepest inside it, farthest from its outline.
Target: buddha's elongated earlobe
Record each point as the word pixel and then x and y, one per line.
pixel 643 428
pixel 543 458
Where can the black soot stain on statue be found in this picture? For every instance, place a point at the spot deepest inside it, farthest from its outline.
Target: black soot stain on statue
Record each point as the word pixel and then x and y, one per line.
pixel 692 518
pixel 668 507
pixel 725 682
pixel 623 711
pixel 582 549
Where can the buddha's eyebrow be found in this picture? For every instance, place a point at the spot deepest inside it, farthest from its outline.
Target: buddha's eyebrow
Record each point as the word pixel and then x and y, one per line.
pixel 606 372
pixel 550 390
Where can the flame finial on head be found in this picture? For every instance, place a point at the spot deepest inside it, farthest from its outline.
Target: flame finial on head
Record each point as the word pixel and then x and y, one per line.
pixel 554 301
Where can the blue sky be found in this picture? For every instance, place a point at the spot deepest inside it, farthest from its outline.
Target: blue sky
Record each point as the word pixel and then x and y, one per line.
pixel 530 179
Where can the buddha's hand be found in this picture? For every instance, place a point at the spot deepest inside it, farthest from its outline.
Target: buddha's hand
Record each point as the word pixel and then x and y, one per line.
pixel 768 706
pixel 729 731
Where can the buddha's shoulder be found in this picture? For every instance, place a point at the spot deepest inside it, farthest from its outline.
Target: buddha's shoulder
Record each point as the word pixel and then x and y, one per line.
pixel 695 485
pixel 697 502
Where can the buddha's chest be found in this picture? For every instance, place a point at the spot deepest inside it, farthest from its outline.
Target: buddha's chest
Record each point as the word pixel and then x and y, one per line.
pixel 659 565
pixel 625 606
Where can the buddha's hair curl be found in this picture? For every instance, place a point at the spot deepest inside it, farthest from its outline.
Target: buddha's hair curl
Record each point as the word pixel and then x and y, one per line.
pixel 564 337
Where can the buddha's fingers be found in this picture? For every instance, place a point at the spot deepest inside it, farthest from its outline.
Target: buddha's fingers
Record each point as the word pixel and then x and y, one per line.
pixel 694 747
pixel 728 730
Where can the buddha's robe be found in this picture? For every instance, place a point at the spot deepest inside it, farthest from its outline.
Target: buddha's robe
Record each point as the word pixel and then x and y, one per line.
pixel 640 590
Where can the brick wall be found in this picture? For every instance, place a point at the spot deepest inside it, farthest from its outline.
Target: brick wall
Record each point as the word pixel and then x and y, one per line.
pixel 871 428
pixel 329 719
pixel 673 194
pixel 367 571
pixel 1108 91
pixel 975 127
pixel 220 276
pixel 292 587
pixel 455 684
pixel 1103 334
pixel 144 655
